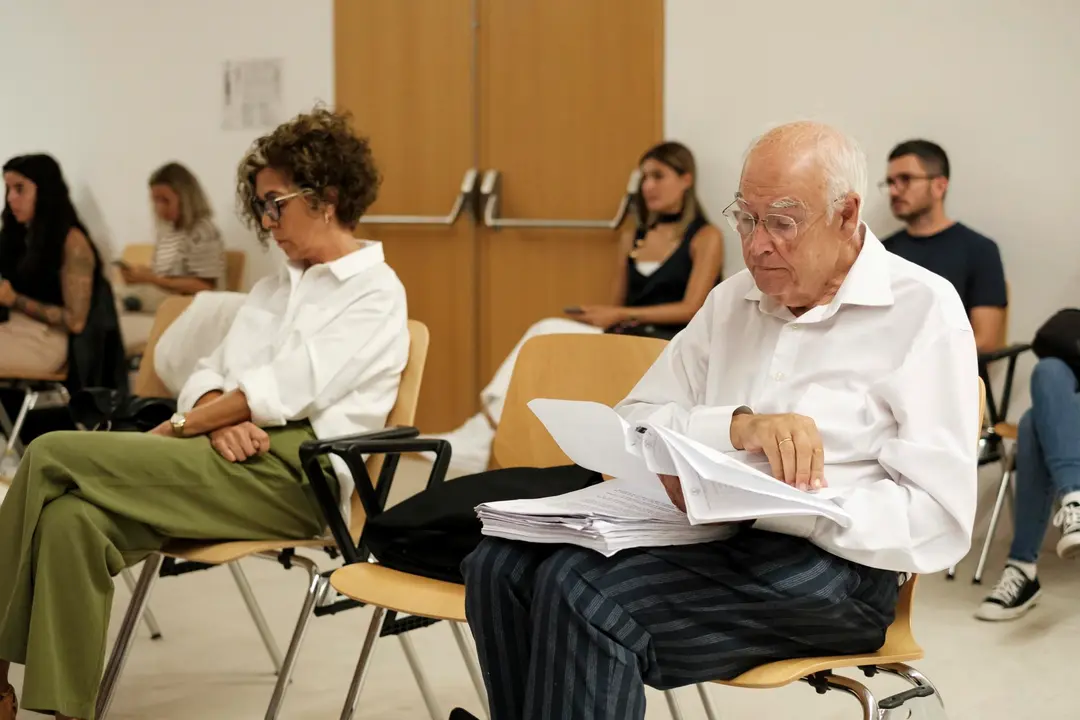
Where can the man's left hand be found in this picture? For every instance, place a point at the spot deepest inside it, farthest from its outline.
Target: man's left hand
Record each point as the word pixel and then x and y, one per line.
pixel 674 491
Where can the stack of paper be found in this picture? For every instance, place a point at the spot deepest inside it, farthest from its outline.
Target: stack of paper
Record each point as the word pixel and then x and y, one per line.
pixel 633 510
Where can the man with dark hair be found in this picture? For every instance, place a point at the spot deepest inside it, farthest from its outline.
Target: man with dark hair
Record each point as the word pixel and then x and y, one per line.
pixel 917 181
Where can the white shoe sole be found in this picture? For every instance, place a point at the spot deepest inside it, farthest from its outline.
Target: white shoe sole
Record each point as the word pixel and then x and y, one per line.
pixel 1068 546
pixel 993 612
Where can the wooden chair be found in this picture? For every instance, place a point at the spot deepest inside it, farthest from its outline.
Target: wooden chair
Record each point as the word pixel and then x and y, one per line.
pixel 31 385
pixel 235 260
pixel 602 368
pixel 198 555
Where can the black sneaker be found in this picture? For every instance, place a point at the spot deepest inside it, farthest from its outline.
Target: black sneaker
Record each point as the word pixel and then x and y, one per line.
pixel 1013 596
pixel 459 714
pixel 1068 519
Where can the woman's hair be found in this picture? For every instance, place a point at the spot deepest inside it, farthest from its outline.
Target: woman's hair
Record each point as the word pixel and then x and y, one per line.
pixel 193 204
pixel 38 249
pixel 316 151
pixel 679 158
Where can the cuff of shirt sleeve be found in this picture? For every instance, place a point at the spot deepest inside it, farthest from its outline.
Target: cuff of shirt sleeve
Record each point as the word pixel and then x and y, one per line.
pixel 260 387
pixel 200 383
pixel 797 525
pixel 711 426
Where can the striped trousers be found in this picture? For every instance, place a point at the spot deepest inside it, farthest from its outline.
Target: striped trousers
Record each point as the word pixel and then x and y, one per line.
pixel 564 633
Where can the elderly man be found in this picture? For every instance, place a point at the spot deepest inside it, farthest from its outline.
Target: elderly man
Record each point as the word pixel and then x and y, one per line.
pixel 849 368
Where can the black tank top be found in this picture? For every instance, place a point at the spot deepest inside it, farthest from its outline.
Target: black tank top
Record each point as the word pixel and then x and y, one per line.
pixel 668 283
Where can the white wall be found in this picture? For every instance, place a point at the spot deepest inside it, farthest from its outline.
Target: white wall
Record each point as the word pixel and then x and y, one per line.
pixel 996 82
pixel 115 88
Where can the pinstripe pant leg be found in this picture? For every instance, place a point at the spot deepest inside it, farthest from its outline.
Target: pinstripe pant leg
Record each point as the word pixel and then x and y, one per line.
pixel 499 577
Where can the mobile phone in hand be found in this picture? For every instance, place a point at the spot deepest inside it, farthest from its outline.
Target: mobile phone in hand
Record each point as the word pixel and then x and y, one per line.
pixel 573 310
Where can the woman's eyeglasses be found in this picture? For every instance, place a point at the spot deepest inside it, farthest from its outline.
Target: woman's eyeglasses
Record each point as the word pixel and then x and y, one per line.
pixel 271 206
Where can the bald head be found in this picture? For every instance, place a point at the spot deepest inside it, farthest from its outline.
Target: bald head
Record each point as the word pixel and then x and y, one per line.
pixel 814 154
pixel 798 211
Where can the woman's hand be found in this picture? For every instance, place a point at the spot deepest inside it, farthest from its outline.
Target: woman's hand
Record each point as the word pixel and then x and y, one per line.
pixel 163 430
pixel 601 316
pixel 7 294
pixel 237 443
pixel 137 274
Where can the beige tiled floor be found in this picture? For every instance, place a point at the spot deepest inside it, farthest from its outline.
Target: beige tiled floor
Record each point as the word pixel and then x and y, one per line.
pixel 211 663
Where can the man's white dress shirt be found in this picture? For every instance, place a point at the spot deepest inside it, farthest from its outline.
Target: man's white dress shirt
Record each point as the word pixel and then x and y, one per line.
pixel 887 371
pixel 325 344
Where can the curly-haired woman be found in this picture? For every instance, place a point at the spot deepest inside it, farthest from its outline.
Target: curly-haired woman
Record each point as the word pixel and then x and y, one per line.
pixel 316 351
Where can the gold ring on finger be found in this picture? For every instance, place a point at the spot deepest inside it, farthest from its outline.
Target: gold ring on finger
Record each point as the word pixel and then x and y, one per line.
pixel 787 439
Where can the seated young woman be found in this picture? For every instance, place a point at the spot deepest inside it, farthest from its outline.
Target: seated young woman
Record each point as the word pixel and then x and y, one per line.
pixel 48 268
pixel 666 268
pixel 316 351
pixel 189 254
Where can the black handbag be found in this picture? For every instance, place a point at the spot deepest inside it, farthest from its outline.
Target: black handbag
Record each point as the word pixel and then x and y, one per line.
pixel 430 533
pixel 1059 337
pixel 105 409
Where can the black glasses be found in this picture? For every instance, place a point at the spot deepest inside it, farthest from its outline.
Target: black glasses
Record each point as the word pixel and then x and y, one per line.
pixel 271 206
pixel 901 181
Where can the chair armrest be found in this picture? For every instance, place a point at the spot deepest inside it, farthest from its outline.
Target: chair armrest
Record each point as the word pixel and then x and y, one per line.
pixel 1002 353
pixel 392 442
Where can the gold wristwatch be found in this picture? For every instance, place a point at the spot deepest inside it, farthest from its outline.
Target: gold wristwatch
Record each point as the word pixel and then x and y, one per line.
pixel 178 420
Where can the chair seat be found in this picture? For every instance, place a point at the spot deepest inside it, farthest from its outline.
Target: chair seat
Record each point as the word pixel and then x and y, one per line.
pixel 1006 430
pixel 219 553
pixel 394 590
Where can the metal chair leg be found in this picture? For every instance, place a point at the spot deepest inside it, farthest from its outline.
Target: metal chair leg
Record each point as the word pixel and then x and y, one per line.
pixel 13 443
pixel 357 684
pixel 706 701
pixel 470 662
pixel 992 527
pixel 148 616
pixel 316 587
pixel 860 691
pixel 256 614
pixel 917 679
pixel 421 680
pixel 673 705
pixel 119 655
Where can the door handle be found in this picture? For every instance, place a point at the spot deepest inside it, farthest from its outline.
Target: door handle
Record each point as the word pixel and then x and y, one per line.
pixel 466 196
pixel 490 193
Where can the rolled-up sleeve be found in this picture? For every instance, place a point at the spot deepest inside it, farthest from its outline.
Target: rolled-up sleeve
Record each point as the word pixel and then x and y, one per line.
pixel 208 376
pixel 671 394
pixel 313 371
pixel 919 516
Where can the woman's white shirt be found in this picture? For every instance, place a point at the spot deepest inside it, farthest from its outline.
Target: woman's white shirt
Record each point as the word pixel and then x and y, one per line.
pixel 325 344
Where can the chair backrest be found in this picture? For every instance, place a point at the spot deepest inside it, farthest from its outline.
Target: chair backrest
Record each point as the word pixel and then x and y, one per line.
pixel 147 382
pixel 601 368
pixel 235 260
pixel 404 411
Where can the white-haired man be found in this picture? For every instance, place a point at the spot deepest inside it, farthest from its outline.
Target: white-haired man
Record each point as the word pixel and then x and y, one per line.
pixel 848 367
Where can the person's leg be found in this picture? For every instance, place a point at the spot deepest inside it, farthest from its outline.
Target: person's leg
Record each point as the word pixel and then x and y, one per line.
pixel 30 347
pixel 602 628
pixel 498 593
pixel 106 490
pixel 1055 413
pixel 1034 493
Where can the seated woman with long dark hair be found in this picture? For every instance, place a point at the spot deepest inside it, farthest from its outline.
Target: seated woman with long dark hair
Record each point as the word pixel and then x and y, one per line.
pixel 47 268
pixel 666 268
pixel 317 350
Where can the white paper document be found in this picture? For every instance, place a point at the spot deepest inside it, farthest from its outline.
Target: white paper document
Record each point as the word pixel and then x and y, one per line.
pixel 633 510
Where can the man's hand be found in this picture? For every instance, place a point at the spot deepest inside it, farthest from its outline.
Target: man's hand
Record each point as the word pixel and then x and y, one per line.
pixel 791 442
pixel 674 491
pixel 237 443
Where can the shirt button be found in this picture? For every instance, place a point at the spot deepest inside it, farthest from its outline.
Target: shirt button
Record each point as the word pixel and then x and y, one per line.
pixel 778 376
pixel 794 327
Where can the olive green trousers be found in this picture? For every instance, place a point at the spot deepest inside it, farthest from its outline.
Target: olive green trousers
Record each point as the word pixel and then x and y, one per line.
pixel 83 506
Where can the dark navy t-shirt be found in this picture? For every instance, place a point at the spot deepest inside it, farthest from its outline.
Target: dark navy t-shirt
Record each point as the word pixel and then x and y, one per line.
pixel 967 259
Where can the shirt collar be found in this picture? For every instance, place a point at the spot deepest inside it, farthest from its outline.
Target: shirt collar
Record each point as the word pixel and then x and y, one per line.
pixel 868 282
pixel 366 257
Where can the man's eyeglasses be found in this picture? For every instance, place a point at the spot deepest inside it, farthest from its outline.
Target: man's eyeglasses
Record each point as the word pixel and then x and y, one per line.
pixel 271 206
pixel 901 181
pixel 744 223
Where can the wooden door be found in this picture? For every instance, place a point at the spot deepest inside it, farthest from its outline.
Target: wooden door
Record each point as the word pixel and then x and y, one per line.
pixel 404 69
pixel 570 96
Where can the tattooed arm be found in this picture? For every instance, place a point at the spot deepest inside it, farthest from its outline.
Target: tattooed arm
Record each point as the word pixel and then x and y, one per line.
pixel 77 281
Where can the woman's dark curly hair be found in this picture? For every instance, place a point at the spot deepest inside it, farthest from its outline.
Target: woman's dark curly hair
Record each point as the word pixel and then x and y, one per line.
pixel 317 151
